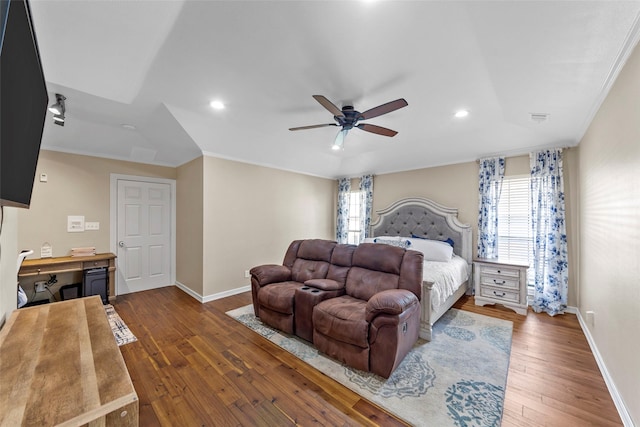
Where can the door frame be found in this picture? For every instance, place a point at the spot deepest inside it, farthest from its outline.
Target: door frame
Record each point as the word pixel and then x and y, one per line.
pixel 113 219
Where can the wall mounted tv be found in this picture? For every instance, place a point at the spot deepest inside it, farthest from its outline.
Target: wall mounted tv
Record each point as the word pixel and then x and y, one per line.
pixel 23 103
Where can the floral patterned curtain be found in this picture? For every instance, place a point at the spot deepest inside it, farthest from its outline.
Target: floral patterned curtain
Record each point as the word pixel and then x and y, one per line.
pixel 366 186
pixel 342 219
pixel 490 185
pixel 549 232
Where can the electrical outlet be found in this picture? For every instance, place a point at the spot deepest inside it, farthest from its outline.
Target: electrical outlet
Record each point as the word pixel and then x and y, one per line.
pixel 246 274
pixel 591 317
pixel 40 286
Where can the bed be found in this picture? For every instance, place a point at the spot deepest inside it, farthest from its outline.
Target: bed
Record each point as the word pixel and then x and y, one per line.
pixel 443 282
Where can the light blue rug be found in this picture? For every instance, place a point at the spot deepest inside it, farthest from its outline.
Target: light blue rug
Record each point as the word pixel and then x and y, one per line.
pixel 457 379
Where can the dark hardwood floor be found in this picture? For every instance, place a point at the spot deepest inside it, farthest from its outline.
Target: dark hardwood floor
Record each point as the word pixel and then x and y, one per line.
pixel 194 366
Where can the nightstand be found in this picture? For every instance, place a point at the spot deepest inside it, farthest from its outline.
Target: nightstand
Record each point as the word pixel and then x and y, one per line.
pixel 501 282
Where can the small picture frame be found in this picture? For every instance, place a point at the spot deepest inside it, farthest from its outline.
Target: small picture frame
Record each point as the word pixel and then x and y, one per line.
pixel 46 251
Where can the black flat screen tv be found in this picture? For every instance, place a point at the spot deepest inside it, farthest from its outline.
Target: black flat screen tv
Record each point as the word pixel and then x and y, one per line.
pixel 23 103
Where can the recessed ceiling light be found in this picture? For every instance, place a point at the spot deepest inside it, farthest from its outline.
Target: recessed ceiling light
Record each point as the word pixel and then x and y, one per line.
pixel 128 126
pixel 461 113
pixel 217 105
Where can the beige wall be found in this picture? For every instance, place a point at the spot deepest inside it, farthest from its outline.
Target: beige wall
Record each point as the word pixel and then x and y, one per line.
pixel 609 180
pixel 8 262
pixel 189 223
pixel 76 185
pixel 457 186
pixel 251 215
pixel 230 216
pixel 452 186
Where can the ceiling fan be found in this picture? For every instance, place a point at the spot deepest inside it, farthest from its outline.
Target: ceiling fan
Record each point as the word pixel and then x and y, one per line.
pixel 348 118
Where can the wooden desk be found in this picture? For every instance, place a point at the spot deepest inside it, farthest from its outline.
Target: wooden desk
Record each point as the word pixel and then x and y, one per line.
pixel 68 264
pixel 60 365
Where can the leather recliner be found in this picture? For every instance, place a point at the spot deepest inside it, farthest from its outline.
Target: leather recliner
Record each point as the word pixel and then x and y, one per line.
pixel 376 322
pixel 274 286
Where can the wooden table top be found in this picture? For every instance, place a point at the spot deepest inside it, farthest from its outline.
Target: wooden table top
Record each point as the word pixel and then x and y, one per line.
pixel 60 364
pixel 65 259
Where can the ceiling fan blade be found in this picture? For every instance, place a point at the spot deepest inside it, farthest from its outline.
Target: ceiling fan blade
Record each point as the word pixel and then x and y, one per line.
pixel 328 105
pixel 383 109
pixel 313 126
pixel 377 129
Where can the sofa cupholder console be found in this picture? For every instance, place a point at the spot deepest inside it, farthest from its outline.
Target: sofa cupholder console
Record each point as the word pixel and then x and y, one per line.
pixel 305 298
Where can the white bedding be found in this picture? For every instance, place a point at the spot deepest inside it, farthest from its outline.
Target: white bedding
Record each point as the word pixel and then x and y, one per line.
pixel 446 277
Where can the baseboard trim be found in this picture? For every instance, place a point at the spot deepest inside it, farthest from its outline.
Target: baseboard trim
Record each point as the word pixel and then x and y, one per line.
pixel 613 391
pixel 189 291
pixel 213 297
pixel 228 293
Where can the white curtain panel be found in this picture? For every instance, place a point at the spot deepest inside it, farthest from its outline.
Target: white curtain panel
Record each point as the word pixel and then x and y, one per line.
pixel 490 177
pixel 342 220
pixel 366 187
pixel 550 260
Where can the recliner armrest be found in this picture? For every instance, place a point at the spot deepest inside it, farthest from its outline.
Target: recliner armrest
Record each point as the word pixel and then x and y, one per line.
pixel 392 301
pixel 324 284
pixel 270 273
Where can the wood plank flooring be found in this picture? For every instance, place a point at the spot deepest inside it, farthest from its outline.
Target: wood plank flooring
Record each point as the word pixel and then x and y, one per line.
pixel 194 366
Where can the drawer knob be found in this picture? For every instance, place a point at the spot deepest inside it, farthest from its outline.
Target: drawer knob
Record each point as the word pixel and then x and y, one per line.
pixel 498 271
pixel 501 295
pixel 499 283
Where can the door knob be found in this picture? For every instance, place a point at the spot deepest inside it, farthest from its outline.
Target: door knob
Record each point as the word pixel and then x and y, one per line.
pixel 121 244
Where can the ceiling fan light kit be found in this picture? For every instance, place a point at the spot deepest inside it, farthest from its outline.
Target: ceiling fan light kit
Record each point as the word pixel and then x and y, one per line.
pixel 338 143
pixel 348 118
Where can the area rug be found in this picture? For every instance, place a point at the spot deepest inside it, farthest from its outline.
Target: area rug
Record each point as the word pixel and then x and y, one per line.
pixel 457 379
pixel 120 330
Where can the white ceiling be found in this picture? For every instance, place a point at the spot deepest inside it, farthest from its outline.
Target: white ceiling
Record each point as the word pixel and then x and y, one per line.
pixel 157 65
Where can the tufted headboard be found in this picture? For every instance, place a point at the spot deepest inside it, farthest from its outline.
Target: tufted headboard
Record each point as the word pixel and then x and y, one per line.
pixel 424 218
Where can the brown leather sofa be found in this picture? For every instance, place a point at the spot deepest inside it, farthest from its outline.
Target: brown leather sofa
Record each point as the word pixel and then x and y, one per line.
pixel 358 304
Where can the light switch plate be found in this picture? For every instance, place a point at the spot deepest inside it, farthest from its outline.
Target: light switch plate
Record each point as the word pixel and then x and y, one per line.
pixel 91 226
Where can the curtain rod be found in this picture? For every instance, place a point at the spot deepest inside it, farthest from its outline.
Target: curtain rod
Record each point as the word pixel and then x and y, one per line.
pixel 529 153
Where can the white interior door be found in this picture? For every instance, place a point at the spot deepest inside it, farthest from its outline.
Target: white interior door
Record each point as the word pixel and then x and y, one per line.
pixel 143 235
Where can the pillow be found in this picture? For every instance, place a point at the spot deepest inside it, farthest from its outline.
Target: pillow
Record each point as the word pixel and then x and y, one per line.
pixel 433 250
pixel 403 243
pixel 448 240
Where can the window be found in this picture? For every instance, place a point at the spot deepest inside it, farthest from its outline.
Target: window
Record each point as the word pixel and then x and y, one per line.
pixel 515 239
pixel 355 214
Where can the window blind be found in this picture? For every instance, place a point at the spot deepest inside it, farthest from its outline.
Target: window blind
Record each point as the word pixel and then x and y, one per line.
pixel 355 210
pixel 514 224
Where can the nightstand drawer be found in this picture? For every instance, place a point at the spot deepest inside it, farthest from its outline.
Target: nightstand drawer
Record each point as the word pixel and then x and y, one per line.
pixel 500 294
pixel 500 281
pixel 496 270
